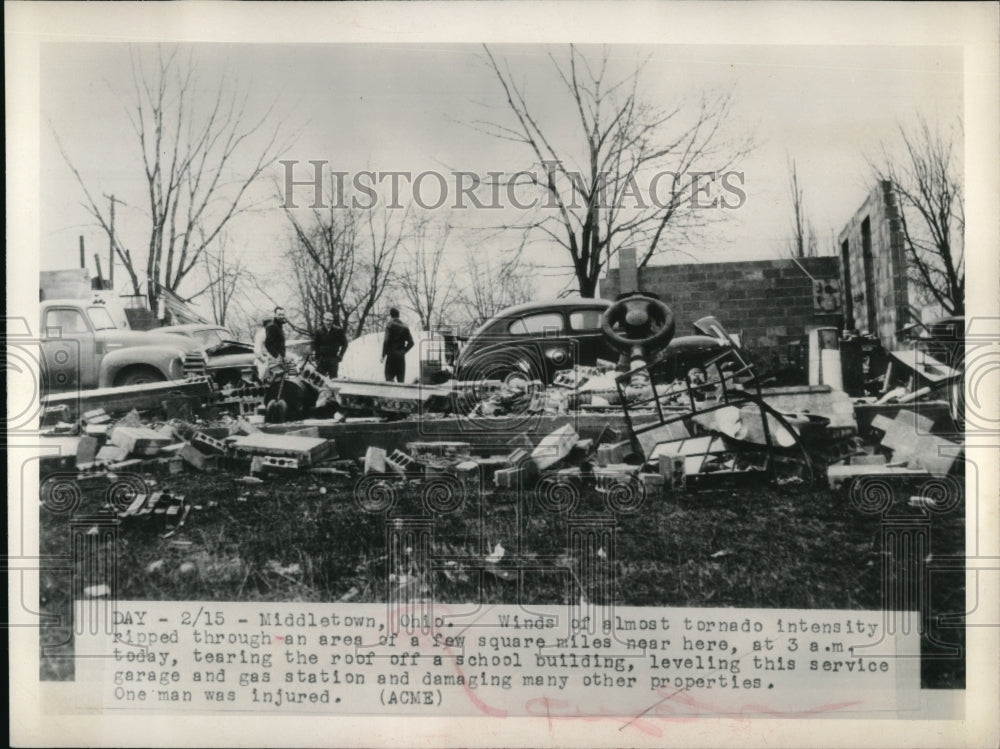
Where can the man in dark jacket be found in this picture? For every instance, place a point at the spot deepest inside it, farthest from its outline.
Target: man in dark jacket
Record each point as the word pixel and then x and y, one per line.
pixel 274 335
pixel 397 342
pixel 329 344
pixel 269 347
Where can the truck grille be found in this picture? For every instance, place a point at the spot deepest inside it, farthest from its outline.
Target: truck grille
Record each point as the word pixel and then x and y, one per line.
pixel 195 365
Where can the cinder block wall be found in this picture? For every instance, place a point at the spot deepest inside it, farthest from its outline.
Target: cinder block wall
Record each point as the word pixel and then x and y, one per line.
pixel 884 280
pixel 769 302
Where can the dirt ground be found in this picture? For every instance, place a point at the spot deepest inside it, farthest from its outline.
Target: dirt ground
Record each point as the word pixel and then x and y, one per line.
pixel 308 538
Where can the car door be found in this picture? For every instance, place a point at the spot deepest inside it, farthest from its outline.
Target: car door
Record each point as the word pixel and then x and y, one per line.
pixel 543 339
pixel 585 328
pixel 68 352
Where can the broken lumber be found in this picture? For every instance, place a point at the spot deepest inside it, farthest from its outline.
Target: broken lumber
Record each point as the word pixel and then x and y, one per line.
pixel 123 399
pixel 908 436
pixel 839 475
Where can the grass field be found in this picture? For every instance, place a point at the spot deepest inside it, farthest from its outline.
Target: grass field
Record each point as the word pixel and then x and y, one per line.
pixel 302 539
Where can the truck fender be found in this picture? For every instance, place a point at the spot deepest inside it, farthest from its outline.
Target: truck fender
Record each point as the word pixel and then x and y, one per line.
pixel 168 360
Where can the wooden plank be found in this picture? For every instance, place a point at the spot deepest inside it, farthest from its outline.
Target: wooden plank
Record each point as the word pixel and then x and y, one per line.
pixel 123 399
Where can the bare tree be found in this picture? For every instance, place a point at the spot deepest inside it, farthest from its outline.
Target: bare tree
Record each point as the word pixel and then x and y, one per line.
pixel 341 261
pixel 429 288
pixel 927 182
pixel 641 186
pixel 492 285
pixel 200 152
pixel 225 277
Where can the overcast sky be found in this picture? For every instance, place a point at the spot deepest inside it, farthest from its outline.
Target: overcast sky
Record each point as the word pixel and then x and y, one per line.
pixel 409 108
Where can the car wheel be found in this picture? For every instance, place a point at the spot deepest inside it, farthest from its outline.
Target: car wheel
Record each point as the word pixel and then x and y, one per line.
pixel 139 376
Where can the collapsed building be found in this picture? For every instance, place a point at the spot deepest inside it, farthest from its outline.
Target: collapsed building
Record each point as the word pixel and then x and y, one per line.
pixel 809 380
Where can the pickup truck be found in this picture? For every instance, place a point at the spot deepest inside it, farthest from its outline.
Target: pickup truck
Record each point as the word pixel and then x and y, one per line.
pixel 82 349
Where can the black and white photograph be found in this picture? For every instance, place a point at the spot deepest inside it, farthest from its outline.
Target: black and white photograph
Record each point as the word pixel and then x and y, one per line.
pixel 618 382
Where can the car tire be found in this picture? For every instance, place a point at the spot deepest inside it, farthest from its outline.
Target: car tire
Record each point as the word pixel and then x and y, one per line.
pixel 139 376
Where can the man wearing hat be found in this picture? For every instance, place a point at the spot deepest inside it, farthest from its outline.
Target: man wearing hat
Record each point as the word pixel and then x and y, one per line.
pixel 329 344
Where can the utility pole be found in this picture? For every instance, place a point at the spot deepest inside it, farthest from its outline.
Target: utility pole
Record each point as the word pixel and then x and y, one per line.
pixel 83 255
pixel 111 240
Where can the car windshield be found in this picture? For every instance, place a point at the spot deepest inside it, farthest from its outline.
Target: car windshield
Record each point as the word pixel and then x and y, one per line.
pixel 101 319
pixel 212 337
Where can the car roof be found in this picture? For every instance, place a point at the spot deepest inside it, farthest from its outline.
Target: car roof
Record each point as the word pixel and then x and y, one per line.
pixel 559 304
pixel 541 305
pixel 190 327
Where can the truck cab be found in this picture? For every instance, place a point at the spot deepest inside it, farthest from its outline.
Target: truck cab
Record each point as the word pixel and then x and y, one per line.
pixel 82 349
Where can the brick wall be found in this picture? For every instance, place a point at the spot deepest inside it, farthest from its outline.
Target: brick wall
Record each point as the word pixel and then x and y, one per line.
pixel 769 302
pixel 876 294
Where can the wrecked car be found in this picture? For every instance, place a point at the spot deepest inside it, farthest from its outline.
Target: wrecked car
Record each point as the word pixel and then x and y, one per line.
pixel 228 360
pixel 82 348
pixel 538 339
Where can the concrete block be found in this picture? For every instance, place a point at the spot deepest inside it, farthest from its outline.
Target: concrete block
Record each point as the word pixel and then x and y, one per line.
pixel 522 476
pixel 168 431
pixel 866 460
pixel 86 450
pixel 467 468
pixel 654 484
pixel 96 416
pixel 609 454
pixel 554 447
pixel 111 454
pixel 612 476
pixel 375 460
pixel 207 445
pixel 243 427
pixel 138 440
pixel 190 455
pixel 518 457
pixel 55 414
pixel 272 463
pixel 694 450
pixel 444 449
pixel 673 468
pixel 401 463
pixel 307 450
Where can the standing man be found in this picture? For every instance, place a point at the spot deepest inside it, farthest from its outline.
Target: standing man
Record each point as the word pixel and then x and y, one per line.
pixel 397 342
pixel 274 341
pixel 329 345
